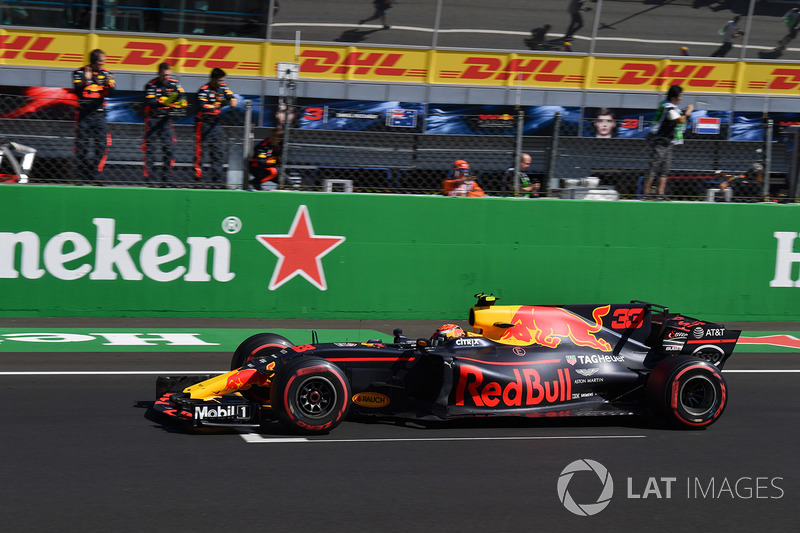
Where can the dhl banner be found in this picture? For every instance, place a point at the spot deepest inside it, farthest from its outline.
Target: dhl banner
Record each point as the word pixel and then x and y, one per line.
pixel 656 75
pixel 353 63
pixel 378 64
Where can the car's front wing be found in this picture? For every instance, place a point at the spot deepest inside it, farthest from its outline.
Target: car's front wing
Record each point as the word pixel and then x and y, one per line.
pixel 230 410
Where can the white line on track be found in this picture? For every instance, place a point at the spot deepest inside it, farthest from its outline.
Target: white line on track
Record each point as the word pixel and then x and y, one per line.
pixel 786 371
pixel 255 438
pixel 199 372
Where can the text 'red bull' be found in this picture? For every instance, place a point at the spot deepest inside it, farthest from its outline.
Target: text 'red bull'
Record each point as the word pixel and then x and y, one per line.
pixel 528 388
pixel 549 325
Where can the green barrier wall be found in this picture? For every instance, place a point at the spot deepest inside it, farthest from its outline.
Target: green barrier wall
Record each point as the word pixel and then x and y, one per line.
pixel 90 251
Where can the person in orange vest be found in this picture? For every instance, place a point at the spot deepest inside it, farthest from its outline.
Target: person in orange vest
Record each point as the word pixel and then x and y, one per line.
pixel 468 186
pixel 455 176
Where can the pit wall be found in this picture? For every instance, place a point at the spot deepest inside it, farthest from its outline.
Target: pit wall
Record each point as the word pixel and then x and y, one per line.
pixel 103 251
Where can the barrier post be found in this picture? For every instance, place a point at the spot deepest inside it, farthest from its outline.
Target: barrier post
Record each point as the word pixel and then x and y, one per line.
pixel 247 138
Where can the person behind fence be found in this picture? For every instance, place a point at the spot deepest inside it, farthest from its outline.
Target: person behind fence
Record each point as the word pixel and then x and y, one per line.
pixel 526 184
pixel 265 161
pixel 539 36
pixel 747 185
pixel 575 8
pixel 455 176
pixel 381 8
pixel 92 84
pixel 211 98
pixel 665 132
pixel 466 185
pixel 729 32
pixel 163 96
pixel 792 18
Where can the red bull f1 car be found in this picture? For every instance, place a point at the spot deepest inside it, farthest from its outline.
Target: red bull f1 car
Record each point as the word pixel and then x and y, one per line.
pixel 518 360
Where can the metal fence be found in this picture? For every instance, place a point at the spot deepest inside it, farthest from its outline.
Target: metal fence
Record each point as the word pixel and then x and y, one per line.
pixel 410 163
pixel 715 170
pixel 567 163
pixel 48 124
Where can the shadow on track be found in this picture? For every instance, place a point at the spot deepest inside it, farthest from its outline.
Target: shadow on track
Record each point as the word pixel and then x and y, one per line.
pixel 660 3
pixel 270 427
pixel 354 35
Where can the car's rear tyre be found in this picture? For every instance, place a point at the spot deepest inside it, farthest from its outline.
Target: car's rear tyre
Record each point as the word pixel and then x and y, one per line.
pixel 690 392
pixel 258 345
pixel 310 395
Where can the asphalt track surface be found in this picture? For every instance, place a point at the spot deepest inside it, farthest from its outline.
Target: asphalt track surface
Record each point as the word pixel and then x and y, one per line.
pixel 649 27
pixel 79 453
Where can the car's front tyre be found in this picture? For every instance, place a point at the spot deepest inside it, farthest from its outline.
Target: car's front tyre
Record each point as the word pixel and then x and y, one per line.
pixel 310 395
pixel 258 345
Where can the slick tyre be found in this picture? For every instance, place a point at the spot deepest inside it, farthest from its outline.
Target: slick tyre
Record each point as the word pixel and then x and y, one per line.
pixel 259 345
pixel 310 395
pixel 689 392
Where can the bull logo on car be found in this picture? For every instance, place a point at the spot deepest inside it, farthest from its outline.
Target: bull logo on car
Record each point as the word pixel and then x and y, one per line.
pixel 548 326
pixel 244 379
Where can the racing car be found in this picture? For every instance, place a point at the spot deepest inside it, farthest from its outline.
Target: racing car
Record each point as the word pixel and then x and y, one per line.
pixel 518 360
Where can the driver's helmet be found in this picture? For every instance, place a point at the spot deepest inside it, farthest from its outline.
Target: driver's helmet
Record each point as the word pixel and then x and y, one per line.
pixel 447 332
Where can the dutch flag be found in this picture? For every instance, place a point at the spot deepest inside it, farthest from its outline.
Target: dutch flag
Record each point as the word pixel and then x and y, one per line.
pixel 707 125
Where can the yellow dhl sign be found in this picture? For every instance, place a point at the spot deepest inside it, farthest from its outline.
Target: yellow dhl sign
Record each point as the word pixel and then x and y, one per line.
pixel 561 71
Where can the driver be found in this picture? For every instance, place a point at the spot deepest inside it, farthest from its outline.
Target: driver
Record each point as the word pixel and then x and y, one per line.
pixel 447 332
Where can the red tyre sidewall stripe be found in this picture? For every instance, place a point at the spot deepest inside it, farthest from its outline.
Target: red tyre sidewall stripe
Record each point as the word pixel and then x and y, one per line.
pixel 268 345
pixel 253 353
pixel 339 415
pixel 286 398
pixel 676 387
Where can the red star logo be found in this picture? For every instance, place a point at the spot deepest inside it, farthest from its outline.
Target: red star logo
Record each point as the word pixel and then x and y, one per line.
pixel 300 252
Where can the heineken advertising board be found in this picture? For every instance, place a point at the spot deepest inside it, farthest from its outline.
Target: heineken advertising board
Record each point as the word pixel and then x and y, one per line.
pixel 90 251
